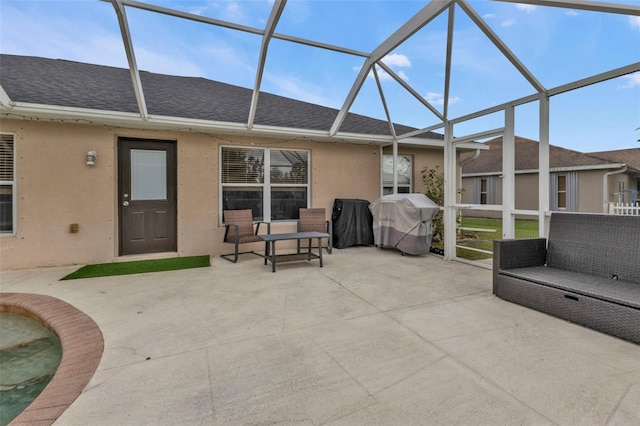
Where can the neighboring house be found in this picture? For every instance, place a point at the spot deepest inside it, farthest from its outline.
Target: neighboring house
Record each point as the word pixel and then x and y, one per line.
pixel 189 159
pixel 627 189
pixel 578 182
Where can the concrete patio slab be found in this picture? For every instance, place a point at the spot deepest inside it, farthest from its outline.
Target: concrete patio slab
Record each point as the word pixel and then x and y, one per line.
pixel 372 338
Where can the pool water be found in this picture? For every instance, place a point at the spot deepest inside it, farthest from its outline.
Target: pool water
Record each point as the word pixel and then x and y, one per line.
pixel 29 357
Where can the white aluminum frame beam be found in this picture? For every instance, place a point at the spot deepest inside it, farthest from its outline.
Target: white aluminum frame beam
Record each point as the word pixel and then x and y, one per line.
pixel 509 173
pixel 421 131
pixel 480 135
pixel 486 29
pixel 598 78
pixel 543 167
pixel 419 20
pixel 276 12
pixel 447 68
pixel 594 6
pixel 450 182
pixel 410 89
pixel 594 79
pixel 131 57
pixel 391 129
pixel 233 26
pixel 5 100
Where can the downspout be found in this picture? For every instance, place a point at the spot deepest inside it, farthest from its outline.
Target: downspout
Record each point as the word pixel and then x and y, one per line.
pixel 605 186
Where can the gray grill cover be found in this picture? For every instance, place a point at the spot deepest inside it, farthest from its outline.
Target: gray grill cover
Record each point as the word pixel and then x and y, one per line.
pixel 403 221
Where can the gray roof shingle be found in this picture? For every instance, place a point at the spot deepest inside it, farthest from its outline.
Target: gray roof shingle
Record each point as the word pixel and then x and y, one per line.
pixel 526 157
pixel 74 84
pixel 629 156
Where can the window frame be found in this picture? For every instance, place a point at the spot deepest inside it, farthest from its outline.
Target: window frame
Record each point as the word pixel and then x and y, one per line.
pixel 14 189
pixel 484 192
pixel 389 185
pixel 266 185
pixel 562 176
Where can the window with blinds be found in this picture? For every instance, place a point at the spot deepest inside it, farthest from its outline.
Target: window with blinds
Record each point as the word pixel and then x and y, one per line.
pixel 7 183
pixel 405 173
pixel 484 190
pixel 276 195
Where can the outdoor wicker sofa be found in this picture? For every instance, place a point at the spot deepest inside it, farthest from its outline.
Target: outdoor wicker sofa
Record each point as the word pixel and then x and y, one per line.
pixel 587 272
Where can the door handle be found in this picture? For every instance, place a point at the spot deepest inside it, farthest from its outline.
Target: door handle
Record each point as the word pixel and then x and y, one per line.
pixel 125 203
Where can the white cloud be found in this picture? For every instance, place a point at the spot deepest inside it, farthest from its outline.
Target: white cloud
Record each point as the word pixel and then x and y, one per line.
pixel 634 21
pixel 402 75
pixel 632 80
pixel 489 16
pixel 571 13
pixel 296 88
pixel 438 99
pixel 508 23
pixel 382 75
pixel 234 11
pixel 397 60
pixel 166 64
pixel 526 7
pixel 200 10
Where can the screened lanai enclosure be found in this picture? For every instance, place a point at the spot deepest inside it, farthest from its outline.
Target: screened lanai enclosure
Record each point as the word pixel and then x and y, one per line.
pixel 467 70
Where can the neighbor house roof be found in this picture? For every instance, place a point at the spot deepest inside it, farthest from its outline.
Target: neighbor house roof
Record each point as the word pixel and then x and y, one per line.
pixel 64 83
pixel 630 156
pixel 526 158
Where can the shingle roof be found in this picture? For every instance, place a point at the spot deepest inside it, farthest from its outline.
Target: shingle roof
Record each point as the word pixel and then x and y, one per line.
pixel 74 84
pixel 526 157
pixel 630 156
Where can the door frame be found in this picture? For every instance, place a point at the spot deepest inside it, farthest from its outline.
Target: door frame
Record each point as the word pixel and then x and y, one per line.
pixel 170 146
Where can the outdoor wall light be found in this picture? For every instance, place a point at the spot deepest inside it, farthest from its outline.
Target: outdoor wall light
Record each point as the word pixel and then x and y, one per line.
pixel 91 157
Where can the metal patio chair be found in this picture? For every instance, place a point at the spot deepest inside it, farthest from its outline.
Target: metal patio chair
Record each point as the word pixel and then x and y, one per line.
pixel 239 229
pixel 315 220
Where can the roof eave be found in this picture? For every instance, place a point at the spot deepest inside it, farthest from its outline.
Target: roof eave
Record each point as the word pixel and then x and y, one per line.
pixel 559 169
pixel 31 111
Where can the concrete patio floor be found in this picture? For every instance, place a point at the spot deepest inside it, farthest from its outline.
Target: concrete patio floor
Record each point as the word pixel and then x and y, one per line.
pixel 372 338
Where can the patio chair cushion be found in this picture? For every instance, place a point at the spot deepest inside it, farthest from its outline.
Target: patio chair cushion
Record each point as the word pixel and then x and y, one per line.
pixel 244 221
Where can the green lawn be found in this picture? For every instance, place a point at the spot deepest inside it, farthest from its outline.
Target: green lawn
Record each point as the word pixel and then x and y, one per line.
pixel 484 240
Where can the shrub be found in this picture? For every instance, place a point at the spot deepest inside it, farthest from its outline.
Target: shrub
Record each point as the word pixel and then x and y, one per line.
pixel 433 179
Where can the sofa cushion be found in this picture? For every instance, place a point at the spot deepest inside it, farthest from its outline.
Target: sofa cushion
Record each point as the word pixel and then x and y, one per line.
pixel 617 291
pixel 595 244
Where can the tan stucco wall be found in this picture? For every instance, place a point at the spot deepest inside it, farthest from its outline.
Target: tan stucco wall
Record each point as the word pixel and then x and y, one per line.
pixel 422 157
pixel 55 188
pixel 590 195
pixel 590 191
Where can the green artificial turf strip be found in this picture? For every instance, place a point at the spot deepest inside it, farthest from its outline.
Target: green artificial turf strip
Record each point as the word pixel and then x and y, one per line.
pixel 138 267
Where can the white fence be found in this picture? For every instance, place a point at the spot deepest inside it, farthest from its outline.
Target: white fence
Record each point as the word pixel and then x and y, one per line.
pixel 624 209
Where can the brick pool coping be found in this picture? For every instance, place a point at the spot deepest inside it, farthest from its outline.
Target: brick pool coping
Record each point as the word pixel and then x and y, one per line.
pixel 82 346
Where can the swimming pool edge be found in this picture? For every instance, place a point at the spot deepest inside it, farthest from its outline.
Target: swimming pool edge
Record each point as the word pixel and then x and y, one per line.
pixel 82 347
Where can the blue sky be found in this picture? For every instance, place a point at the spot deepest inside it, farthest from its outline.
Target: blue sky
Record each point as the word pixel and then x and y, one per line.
pixel 557 45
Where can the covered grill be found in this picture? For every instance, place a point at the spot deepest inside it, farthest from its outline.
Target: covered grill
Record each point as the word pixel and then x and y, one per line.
pixel 403 221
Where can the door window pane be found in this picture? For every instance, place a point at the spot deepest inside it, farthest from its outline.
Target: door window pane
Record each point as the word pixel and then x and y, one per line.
pixel 148 175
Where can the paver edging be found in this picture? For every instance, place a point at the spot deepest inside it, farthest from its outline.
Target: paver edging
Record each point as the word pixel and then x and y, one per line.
pixel 69 379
